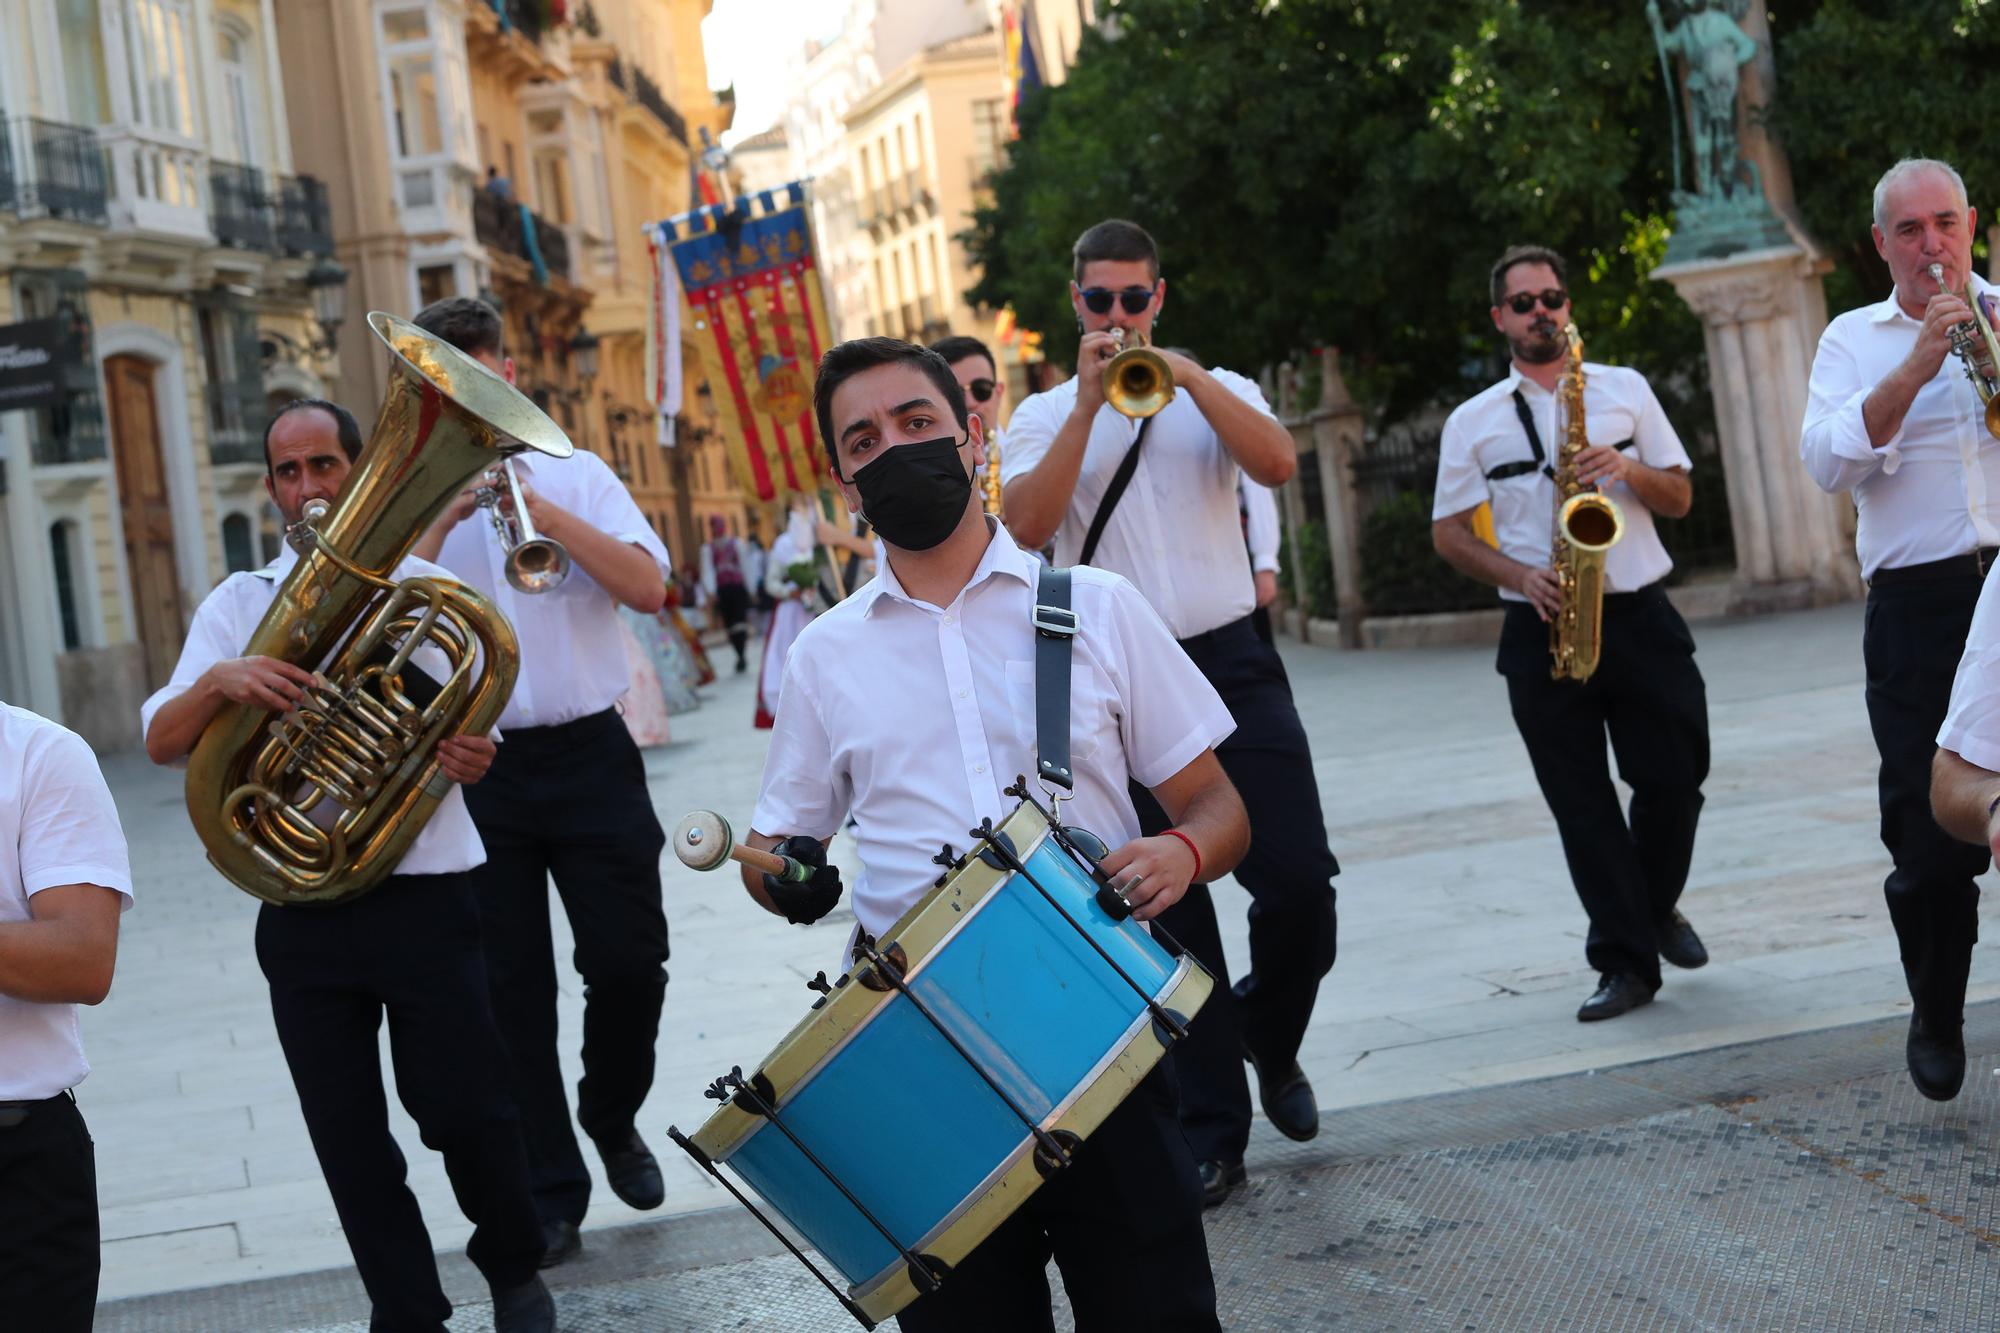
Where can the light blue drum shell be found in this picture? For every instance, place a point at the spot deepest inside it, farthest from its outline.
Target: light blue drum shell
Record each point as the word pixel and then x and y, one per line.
pixel 904 1121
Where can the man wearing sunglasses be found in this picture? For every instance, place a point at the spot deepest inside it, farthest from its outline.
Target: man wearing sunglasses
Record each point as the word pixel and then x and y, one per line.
pixel 1647 693
pixel 973 366
pixel 1157 502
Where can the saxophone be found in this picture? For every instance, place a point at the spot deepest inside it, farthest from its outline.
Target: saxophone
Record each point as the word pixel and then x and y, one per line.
pixel 319 804
pixel 1587 525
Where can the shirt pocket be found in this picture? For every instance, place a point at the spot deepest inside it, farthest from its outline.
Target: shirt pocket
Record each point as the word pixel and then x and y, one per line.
pixel 1089 715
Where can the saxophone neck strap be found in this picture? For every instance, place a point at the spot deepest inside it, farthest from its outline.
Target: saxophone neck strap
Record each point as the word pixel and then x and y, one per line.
pixel 1540 463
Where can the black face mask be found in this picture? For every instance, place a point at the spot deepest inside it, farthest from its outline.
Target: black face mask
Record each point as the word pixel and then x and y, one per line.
pixel 915 494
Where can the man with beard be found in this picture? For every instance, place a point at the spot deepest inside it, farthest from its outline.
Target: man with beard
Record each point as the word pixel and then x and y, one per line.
pixel 1647 692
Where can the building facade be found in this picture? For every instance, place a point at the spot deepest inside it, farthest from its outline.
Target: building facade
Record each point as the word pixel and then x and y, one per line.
pixel 149 202
pixel 517 161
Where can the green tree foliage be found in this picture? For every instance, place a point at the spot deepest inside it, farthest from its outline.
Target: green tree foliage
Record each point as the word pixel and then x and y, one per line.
pixel 1344 171
pixel 1864 82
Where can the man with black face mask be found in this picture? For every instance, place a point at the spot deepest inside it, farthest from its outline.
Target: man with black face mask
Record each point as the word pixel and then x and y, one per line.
pixel 910 706
pixel 1647 692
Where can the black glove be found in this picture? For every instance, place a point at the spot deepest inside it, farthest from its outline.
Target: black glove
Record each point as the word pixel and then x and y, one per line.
pixel 804 903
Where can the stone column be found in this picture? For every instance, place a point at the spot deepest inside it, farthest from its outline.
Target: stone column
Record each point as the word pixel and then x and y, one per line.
pixel 1336 435
pixel 1762 312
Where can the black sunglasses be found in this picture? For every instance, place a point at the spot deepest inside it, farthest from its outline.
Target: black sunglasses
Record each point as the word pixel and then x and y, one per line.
pixel 1552 299
pixel 1097 300
pixel 980 390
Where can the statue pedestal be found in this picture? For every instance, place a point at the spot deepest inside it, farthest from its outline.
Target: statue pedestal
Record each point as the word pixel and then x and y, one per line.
pixel 1763 311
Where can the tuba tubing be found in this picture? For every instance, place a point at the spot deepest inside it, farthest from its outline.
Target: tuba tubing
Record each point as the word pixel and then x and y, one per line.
pixel 319 804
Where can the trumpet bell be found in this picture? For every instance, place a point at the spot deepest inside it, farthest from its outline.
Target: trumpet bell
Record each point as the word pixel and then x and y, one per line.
pixel 1137 381
pixel 536 566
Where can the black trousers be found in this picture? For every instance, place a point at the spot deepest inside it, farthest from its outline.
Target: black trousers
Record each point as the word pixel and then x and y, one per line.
pixel 1628 867
pixel 1912 637
pixel 409 948
pixel 1288 873
pixel 732 603
pixel 570 801
pixel 1122 1222
pixel 48 1217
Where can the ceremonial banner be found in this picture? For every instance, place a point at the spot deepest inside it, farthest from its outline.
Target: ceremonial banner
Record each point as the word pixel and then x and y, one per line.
pixel 756 315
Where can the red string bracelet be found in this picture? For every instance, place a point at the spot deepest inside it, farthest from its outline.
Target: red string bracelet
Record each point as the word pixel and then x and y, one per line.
pixel 1195 878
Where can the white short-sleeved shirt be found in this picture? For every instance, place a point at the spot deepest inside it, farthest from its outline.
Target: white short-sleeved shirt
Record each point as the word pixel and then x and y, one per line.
pixel 913 717
pixel 221 630
pixel 1177 533
pixel 1972 724
pixel 1485 434
pixel 572 656
pixel 1932 491
pixel 57 826
pixel 1260 525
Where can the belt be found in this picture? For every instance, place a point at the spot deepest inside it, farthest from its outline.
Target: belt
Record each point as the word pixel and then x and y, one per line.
pixel 1970 565
pixel 1221 634
pixel 13 1114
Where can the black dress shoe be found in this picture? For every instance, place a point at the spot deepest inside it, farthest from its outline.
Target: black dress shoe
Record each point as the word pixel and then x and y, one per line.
pixel 1218 1179
pixel 1288 1100
pixel 1679 944
pixel 527 1308
pixel 564 1243
pixel 1617 993
pixel 632 1169
pixel 1936 1055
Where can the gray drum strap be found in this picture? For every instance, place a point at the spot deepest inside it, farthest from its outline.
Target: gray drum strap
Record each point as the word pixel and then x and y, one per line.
pixel 1055 627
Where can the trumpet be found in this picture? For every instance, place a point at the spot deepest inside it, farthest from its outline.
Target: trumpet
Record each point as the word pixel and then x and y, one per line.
pixel 1978 348
pixel 1137 382
pixel 534 563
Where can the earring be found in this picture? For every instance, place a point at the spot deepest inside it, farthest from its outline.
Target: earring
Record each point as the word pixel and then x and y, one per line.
pixel 1079 324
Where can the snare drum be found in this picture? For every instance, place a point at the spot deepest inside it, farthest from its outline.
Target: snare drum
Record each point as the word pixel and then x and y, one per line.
pixel 936 1084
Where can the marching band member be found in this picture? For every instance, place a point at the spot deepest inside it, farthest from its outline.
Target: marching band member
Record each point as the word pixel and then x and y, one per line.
pixel 65 877
pixel 409 948
pixel 1647 693
pixel 1888 420
pixel 973 366
pixel 566 798
pixel 1172 527
pixel 902 708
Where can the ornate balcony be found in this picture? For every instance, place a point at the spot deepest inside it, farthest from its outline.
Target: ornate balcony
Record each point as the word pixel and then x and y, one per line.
pixel 498 223
pixel 240 207
pixel 47 168
pixel 305 224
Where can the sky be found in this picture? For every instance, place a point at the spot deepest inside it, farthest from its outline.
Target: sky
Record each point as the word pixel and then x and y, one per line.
pixel 749 43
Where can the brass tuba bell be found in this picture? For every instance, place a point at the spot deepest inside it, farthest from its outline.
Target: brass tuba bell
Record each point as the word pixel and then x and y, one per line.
pixel 320 803
pixel 1137 382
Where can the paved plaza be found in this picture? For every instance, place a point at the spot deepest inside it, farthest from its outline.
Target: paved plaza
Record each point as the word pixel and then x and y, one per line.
pixel 1460 971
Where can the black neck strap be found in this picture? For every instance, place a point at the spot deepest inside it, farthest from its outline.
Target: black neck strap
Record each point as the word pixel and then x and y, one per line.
pixel 1055 627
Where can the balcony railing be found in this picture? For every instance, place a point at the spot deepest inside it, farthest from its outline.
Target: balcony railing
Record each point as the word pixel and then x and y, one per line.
pixel 51 168
pixel 305 224
pixel 497 223
pixel 635 83
pixel 239 207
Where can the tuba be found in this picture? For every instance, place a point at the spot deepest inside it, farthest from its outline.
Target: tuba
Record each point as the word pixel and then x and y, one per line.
pixel 1137 382
pixel 318 804
pixel 1979 349
pixel 1587 525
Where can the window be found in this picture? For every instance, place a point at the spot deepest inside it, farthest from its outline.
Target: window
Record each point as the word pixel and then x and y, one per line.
pixel 413 92
pixel 243 107
pixel 73 430
pixel 234 357
pixel 405 25
pixel 989 131
pixel 435 282
pixel 158 50
pixel 82 45
pixel 236 553
pixel 61 540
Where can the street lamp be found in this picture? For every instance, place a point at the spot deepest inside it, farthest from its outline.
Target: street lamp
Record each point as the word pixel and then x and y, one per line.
pixel 327 281
pixel 583 348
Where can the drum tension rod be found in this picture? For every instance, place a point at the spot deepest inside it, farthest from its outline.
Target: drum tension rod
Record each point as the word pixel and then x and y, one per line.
pixel 1051 1154
pixel 926 1273
pixel 688 1146
pixel 1163 1017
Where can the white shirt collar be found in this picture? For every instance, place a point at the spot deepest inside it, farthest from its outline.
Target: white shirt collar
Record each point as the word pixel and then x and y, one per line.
pixel 1002 556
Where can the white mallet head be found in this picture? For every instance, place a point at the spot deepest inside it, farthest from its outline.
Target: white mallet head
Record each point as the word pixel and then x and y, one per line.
pixel 703 840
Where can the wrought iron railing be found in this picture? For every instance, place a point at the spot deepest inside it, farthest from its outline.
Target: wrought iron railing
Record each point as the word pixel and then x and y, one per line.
pixel 49 167
pixel 496 222
pixel 239 206
pixel 305 223
pixel 650 97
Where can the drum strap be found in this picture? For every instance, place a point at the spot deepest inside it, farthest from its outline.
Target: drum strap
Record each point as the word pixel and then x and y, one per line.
pixel 1055 627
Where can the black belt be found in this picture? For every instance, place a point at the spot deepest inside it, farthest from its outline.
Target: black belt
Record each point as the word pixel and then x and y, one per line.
pixel 1971 565
pixel 14 1113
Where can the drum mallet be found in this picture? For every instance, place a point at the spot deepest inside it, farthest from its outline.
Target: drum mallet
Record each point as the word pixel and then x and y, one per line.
pixel 703 841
